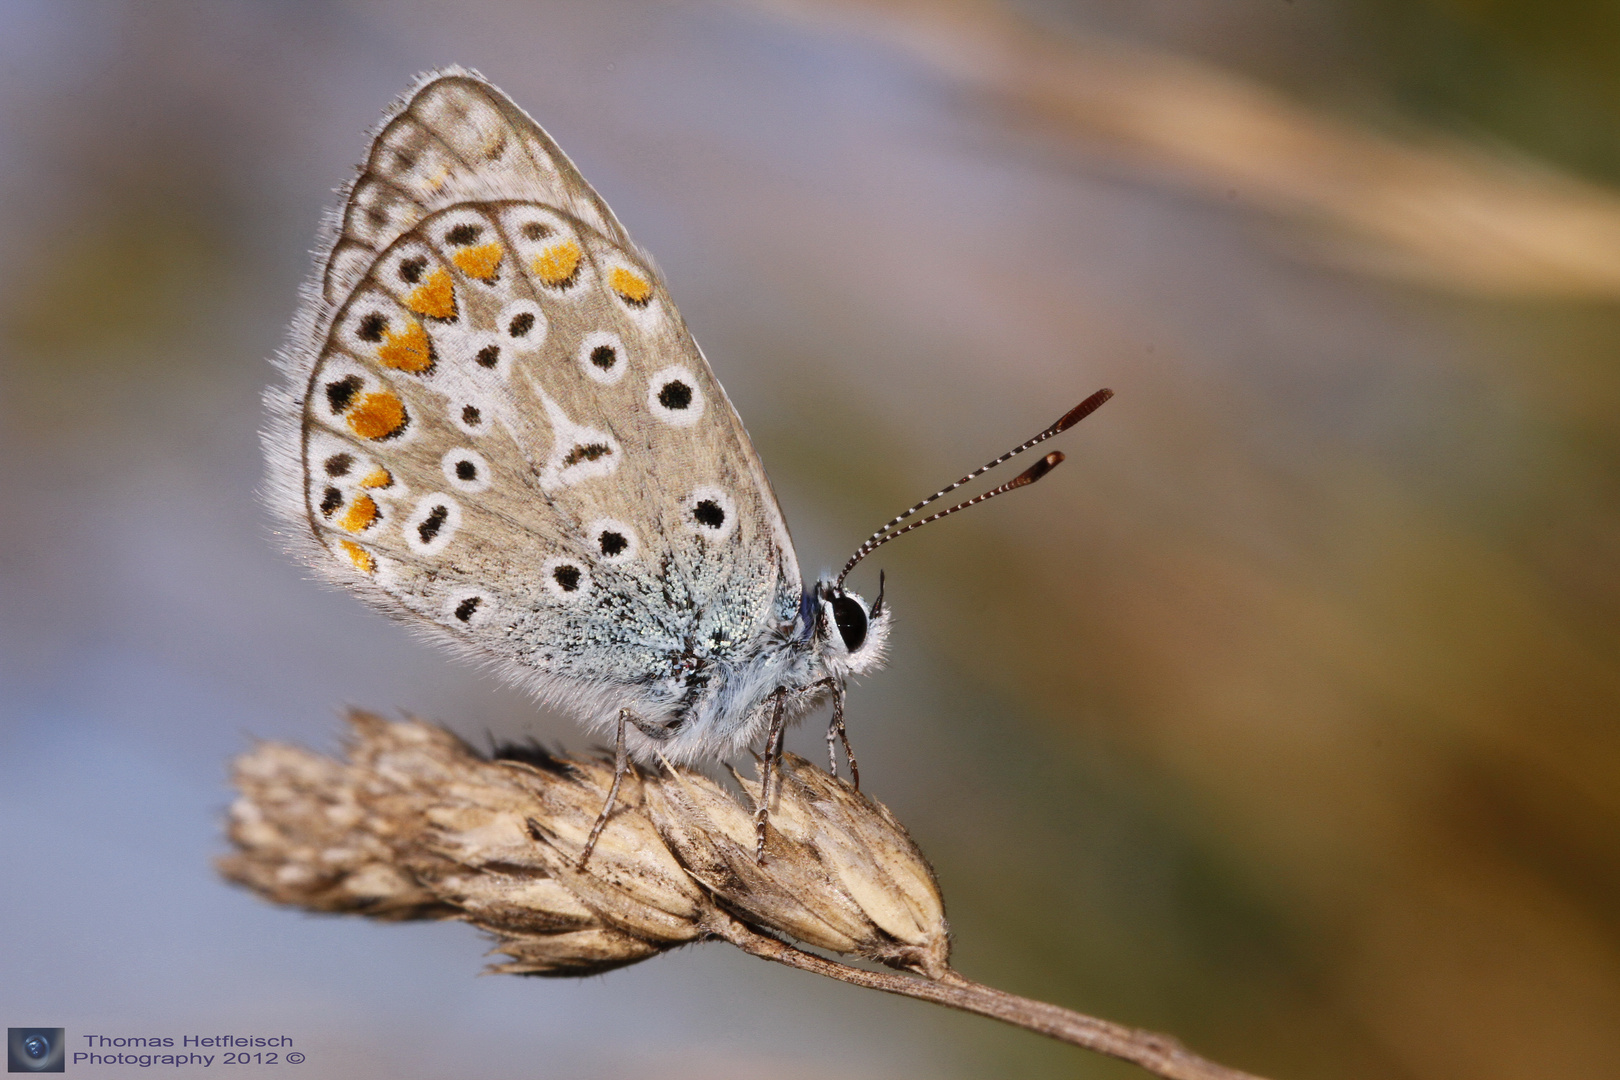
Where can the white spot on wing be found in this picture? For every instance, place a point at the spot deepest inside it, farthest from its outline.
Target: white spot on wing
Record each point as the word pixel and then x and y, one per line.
pixel 554 573
pixel 703 506
pixel 602 533
pixel 430 527
pixel 602 357
pixel 523 325
pixel 462 460
pixel 578 452
pixel 667 385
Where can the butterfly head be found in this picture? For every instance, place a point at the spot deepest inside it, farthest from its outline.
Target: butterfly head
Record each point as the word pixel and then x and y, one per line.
pixel 850 633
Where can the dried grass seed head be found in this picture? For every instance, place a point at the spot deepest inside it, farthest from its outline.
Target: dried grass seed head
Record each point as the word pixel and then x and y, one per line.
pixel 839 872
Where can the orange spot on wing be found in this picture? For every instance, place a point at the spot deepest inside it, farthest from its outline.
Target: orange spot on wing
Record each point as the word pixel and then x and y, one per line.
pixel 377 416
pixel 435 297
pixel 558 264
pixel 377 478
pixel 362 515
pixel 630 285
pixel 358 555
pixel 480 262
pixel 409 350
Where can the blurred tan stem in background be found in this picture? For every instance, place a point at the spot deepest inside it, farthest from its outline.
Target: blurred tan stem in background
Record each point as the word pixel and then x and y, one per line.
pixel 1429 211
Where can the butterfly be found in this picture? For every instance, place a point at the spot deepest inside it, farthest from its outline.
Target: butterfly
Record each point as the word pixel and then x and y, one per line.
pixel 496 426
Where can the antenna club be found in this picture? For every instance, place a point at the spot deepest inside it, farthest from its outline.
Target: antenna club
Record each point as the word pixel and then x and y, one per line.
pixel 1081 411
pixel 1038 470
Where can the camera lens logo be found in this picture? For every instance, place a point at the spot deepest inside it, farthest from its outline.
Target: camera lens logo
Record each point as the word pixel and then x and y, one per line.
pixel 35 1050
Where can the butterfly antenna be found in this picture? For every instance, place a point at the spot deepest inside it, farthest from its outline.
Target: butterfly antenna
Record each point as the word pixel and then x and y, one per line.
pixel 1024 479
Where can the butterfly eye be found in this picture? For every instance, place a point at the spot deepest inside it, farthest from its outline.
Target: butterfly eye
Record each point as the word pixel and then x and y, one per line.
pixel 851 620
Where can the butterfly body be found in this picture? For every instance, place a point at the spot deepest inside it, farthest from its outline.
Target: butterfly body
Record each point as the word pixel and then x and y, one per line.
pixel 497 427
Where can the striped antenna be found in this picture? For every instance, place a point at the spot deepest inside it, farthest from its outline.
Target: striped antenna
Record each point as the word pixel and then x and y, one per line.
pixel 1024 479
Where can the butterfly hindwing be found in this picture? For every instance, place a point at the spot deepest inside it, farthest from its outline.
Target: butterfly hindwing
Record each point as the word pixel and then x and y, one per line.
pixel 453 139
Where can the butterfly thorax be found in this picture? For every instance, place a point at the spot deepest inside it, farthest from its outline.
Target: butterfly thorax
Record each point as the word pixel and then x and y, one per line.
pixel 720 701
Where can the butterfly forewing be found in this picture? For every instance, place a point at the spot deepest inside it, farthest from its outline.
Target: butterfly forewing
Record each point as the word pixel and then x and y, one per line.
pixel 508 432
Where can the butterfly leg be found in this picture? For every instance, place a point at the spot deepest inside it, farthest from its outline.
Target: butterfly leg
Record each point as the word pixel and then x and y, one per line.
pixel 837 725
pixel 832 743
pixel 621 765
pixel 837 732
pixel 773 752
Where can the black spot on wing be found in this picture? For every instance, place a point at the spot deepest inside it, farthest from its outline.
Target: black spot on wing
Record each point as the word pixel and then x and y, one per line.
pixel 341 392
pixel 675 395
pixel 709 514
pixel 430 525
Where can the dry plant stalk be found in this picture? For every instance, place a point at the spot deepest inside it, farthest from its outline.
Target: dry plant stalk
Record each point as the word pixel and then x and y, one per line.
pixel 1470 219
pixel 416 825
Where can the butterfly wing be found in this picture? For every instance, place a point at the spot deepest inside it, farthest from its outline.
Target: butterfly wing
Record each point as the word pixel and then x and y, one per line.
pixel 499 427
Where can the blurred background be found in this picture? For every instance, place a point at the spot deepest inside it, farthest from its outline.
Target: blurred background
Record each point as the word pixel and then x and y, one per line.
pixel 1283 717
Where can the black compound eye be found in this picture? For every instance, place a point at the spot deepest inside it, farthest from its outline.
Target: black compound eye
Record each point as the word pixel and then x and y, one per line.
pixel 851 620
